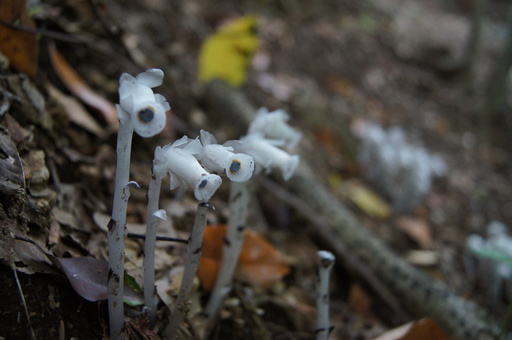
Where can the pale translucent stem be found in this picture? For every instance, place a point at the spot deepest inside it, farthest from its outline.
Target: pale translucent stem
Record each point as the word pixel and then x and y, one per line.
pixel 150 295
pixel 116 232
pixel 192 259
pixel 238 208
pixel 322 300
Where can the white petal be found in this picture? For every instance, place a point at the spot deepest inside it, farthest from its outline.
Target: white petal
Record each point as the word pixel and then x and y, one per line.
pixel 206 186
pixel 151 78
pixel 161 99
pixel 161 214
pixel 289 167
pixel 138 93
pixel 149 119
pixel 126 78
pixel 123 116
pixel 194 147
pixel 241 168
pixel 207 138
pixel 180 142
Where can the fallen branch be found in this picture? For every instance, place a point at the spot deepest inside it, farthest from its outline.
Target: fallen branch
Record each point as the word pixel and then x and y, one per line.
pixel 349 240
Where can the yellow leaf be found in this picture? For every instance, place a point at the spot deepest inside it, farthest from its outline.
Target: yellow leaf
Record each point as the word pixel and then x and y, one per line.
pixel 368 201
pixel 227 53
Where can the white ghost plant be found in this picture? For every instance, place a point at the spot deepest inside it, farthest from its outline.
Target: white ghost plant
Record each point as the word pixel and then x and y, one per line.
pixel 185 170
pixel 221 158
pixel 268 155
pixel 273 125
pixel 143 111
pixel 179 162
pixel 139 105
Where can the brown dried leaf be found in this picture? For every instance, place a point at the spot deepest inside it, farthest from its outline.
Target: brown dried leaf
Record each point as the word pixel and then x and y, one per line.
pixel 21 48
pixel 416 229
pixel 80 89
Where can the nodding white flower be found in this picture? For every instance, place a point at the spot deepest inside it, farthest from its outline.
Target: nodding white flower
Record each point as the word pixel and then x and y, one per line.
pixel 267 155
pixel 221 158
pixel 184 169
pixel 274 125
pixel 139 105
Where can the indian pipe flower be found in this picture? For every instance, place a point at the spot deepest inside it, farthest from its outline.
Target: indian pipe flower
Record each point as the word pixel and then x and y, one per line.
pixel 273 125
pixel 220 158
pixel 267 155
pixel 140 105
pixel 184 169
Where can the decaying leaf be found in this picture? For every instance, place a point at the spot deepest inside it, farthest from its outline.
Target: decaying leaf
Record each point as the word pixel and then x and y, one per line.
pixel 417 229
pixel 423 329
pixel 367 200
pixel 259 263
pixel 227 53
pixel 80 89
pixel 21 48
pixel 76 112
pixel 87 276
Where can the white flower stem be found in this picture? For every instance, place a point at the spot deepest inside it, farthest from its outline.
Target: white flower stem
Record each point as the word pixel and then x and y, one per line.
pixel 150 296
pixel 322 301
pixel 191 263
pixel 238 208
pixel 116 232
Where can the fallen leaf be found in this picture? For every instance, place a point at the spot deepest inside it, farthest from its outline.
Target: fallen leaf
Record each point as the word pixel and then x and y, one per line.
pixel 422 257
pixel 259 264
pixel 359 301
pixel 87 276
pixel 227 53
pixel 80 89
pixel 76 112
pixel 21 48
pixel 423 329
pixel 417 229
pixel 367 200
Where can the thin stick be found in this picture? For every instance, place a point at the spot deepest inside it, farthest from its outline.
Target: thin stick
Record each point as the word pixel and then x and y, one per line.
pixel 322 300
pixel 238 206
pixel 116 231
pixel 192 259
pixel 150 296
pixel 23 301
pixel 158 238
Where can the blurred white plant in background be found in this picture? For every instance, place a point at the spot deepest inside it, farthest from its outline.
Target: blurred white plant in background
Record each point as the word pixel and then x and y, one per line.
pixel 401 171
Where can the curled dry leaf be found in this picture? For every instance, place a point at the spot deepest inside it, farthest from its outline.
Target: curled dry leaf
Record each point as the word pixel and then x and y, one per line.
pixel 80 89
pixel 259 264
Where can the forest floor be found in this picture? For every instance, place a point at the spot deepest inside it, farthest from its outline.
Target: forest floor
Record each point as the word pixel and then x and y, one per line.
pixel 332 65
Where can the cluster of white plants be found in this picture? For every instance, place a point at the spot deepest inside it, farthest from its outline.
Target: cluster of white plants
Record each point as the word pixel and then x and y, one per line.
pixel 488 262
pixel 268 141
pixel 196 163
pixel 403 172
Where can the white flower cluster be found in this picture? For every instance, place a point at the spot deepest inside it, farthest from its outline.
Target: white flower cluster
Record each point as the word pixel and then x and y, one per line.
pixel 267 133
pixel 493 274
pixel 403 172
pixel 139 105
pixel 181 160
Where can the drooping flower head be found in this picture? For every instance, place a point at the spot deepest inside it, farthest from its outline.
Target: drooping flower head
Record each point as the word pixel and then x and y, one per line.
pixel 221 158
pixel 267 155
pixel 139 105
pixel 184 169
pixel 273 125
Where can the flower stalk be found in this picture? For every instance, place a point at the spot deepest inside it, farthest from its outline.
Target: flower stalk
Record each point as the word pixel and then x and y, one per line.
pixel 326 262
pixel 191 263
pixel 141 110
pixel 239 199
